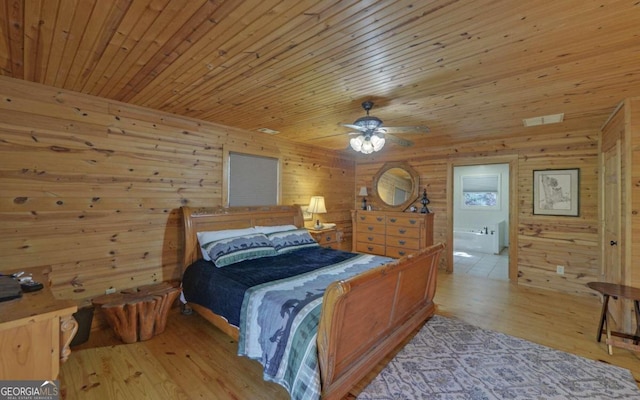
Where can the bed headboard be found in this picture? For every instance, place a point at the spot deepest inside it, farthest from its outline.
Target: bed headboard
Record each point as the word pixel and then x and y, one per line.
pixel 220 218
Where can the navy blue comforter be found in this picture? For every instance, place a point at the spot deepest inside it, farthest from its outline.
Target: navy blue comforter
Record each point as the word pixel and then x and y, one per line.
pixel 222 289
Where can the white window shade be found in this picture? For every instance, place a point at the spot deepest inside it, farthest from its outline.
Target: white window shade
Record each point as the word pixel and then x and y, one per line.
pixel 481 183
pixel 253 180
pixel 481 192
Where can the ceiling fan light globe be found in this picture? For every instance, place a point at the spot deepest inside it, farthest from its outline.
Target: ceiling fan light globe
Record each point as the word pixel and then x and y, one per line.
pixel 377 142
pixel 367 147
pixel 356 143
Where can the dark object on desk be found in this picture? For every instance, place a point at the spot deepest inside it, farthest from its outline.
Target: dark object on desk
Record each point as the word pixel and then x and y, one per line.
pixel 9 288
pixel 617 291
pixel 31 286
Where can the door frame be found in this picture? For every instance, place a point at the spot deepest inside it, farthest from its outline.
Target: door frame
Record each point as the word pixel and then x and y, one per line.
pixel 512 160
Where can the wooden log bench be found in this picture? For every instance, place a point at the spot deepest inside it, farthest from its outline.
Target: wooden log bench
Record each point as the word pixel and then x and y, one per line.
pixel 138 314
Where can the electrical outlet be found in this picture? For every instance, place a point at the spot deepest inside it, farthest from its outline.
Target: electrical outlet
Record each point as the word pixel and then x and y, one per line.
pixel 110 290
pixel 560 269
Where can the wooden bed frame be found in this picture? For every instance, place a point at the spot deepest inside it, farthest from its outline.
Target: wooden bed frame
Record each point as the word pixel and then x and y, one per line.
pixel 363 319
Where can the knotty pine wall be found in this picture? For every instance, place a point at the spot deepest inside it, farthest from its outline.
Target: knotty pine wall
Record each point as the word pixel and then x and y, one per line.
pixel 92 187
pixel 542 242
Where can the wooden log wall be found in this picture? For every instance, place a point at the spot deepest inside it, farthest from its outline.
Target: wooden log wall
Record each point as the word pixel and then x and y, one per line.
pixel 542 242
pixel 92 187
pixel 632 268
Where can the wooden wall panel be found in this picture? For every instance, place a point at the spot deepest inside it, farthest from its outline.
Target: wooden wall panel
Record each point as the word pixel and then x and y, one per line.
pixel 633 127
pixel 615 154
pixel 542 241
pixel 92 187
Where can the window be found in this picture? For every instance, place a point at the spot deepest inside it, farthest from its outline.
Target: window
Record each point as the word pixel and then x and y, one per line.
pixel 251 180
pixel 481 192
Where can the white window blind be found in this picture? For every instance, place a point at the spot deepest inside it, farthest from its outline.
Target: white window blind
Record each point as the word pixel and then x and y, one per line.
pixel 480 183
pixel 481 192
pixel 253 180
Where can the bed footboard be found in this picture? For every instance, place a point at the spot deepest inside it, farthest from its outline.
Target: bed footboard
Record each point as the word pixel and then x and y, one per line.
pixel 366 317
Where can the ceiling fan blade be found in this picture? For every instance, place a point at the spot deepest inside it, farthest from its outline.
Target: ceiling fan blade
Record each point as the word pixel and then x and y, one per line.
pixel 405 129
pixel 334 135
pixel 356 127
pixel 399 141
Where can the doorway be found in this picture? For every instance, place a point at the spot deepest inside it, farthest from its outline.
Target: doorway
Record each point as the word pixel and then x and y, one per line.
pixel 482 218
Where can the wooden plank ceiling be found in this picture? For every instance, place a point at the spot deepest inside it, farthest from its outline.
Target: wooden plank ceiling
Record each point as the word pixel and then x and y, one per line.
pixel 466 69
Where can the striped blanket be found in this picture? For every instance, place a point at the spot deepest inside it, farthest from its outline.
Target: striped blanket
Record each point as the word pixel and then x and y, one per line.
pixel 279 324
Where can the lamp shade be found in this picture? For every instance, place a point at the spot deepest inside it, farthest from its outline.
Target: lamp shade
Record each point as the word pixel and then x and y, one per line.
pixel 316 205
pixel 363 191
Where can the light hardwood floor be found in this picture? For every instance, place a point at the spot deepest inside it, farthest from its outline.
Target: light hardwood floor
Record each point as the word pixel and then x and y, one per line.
pixel 194 360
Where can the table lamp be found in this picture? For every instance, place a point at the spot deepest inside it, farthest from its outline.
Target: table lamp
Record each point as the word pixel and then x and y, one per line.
pixel 316 206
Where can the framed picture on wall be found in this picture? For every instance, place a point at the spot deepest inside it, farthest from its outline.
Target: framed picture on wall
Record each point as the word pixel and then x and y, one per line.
pixel 556 192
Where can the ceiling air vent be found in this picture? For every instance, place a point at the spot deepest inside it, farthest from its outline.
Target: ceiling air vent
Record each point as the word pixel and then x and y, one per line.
pixel 544 120
pixel 268 131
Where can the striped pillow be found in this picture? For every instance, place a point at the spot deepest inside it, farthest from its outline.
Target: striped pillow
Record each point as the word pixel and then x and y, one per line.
pixel 207 237
pixel 291 240
pixel 229 251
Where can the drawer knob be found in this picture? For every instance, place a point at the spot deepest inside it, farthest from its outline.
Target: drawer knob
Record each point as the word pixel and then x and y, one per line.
pixel 379 219
pixel 370 248
pixel 392 219
pixel 370 239
pixel 370 228
pixel 402 253
pixel 412 221
pixel 403 231
pixel 402 242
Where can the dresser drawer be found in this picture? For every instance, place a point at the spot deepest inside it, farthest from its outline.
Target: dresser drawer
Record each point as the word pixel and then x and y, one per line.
pixel 371 238
pixel 406 242
pixel 366 228
pixel 398 252
pixel 403 220
pixel 371 248
pixel 402 231
pixel 364 218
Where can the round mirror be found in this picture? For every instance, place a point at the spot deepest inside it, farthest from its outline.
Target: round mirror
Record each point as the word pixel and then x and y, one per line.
pixel 395 186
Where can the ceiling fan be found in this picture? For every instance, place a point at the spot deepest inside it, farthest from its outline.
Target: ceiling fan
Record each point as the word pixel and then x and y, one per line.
pixel 372 134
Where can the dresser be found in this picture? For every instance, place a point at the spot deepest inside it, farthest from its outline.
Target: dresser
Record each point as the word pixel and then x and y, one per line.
pixel 391 233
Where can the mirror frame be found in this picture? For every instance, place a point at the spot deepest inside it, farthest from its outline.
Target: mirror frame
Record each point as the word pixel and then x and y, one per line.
pixel 413 195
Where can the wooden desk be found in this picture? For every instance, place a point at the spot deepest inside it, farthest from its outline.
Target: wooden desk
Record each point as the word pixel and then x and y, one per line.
pixel 35 333
pixel 617 291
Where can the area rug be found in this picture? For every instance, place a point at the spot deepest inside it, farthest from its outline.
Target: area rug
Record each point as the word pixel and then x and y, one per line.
pixel 450 359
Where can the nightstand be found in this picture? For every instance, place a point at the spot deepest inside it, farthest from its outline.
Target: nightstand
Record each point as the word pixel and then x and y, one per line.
pixel 327 237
